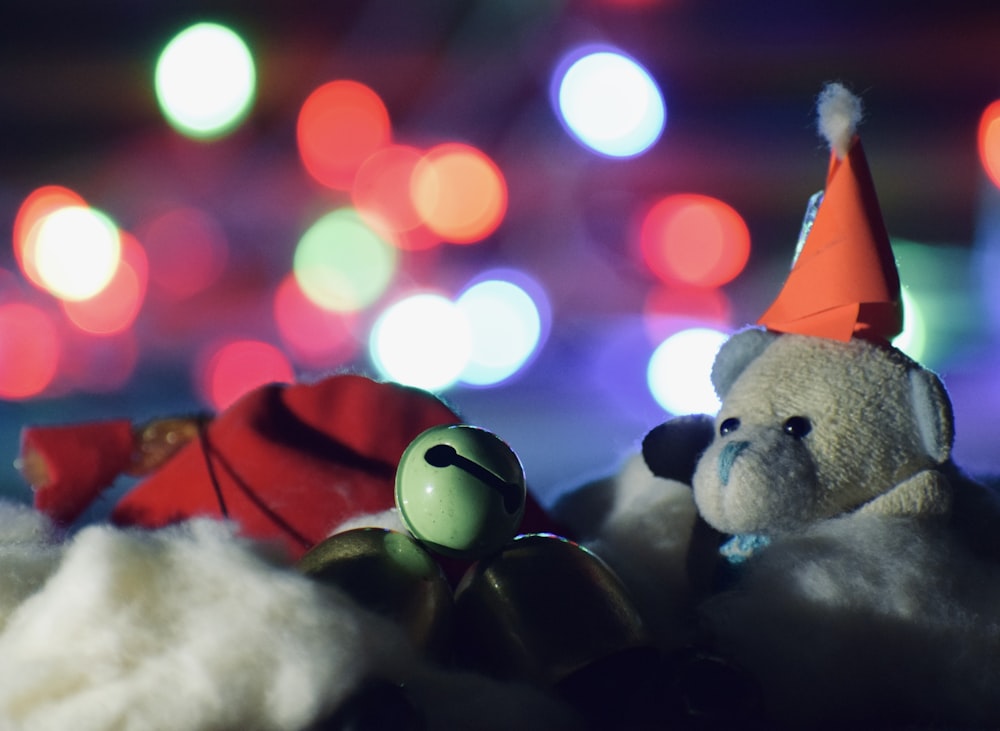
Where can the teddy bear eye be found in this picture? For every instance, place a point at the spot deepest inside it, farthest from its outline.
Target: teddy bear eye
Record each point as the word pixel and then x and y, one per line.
pixel 797 426
pixel 728 426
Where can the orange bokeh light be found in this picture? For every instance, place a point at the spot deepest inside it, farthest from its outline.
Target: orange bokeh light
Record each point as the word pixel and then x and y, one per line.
pixel 695 240
pixel 114 309
pixel 239 366
pixel 340 125
pixel 315 337
pixel 459 192
pixel 989 141
pixel 29 344
pixel 40 203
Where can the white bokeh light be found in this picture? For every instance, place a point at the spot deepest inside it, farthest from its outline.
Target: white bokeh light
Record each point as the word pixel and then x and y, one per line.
pixel 610 103
pixel 506 328
pixel 913 339
pixel 679 372
pixel 423 341
pixel 205 80
pixel 77 250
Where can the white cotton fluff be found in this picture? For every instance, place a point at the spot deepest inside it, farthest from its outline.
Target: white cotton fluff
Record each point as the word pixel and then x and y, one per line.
pixel 193 628
pixel 389 519
pixel 851 622
pixel 642 535
pixel 864 619
pixel 185 628
pixel 29 553
pixel 838 116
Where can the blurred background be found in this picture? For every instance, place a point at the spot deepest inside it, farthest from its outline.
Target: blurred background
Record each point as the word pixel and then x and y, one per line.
pixel 549 212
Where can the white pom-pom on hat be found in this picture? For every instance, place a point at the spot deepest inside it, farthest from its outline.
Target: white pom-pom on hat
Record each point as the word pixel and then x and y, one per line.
pixel 839 113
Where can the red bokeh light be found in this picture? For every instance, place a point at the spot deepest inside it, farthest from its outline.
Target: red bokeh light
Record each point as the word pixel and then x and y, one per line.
pixel 187 251
pixel 669 309
pixel 381 190
pixel 340 125
pixel 97 364
pixel 239 366
pixel 315 337
pixel 459 192
pixel 695 240
pixel 989 141
pixel 30 345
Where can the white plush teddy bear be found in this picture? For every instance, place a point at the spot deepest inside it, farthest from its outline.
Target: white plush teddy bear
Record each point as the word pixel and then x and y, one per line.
pixel 815 532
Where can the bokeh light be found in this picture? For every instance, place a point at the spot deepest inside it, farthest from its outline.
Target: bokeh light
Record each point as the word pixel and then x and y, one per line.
pixel 668 309
pixel 506 329
pixel 989 141
pixel 423 341
pixel 29 350
pixel 314 337
pixel 340 125
pixel 913 339
pixel 76 251
pixel 459 193
pixel 96 364
pixel 342 264
pixel 114 308
pixel 41 202
pixel 205 81
pixel 381 190
pixel 679 372
pixel 608 102
pixel 695 240
pixel 187 250
pixel 236 367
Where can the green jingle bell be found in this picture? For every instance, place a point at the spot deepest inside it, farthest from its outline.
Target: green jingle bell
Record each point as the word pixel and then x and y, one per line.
pixel 389 573
pixel 547 611
pixel 460 491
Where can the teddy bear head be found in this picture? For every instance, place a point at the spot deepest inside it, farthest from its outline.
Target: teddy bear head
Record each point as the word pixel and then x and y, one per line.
pixel 810 428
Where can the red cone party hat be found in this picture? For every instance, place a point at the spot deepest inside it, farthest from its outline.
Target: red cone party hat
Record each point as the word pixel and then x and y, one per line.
pixel 844 281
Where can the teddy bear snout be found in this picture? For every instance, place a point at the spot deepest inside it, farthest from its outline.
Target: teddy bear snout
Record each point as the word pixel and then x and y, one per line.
pixel 727 457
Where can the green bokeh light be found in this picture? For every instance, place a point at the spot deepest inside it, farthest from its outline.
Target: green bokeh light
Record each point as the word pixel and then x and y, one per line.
pixel 205 81
pixel 341 264
pixel 941 319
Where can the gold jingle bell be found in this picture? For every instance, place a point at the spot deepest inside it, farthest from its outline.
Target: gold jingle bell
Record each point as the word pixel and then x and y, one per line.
pixel 545 610
pixel 389 573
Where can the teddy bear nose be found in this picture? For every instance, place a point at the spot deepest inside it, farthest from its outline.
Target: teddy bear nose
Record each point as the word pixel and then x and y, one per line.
pixel 726 458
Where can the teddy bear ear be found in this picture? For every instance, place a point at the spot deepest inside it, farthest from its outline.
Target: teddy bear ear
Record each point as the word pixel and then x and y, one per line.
pixel 672 449
pixel 736 354
pixel 933 413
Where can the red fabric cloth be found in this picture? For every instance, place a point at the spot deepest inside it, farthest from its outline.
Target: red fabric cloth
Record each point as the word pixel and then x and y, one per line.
pixel 73 464
pixel 287 463
pixel 291 463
